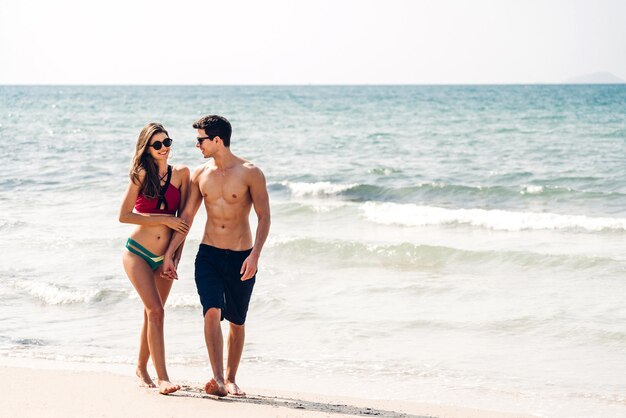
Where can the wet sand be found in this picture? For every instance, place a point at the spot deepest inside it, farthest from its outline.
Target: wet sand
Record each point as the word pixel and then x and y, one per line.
pixel 55 393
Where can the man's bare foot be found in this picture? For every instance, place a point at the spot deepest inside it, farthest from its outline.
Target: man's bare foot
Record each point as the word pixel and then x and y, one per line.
pixel 234 390
pixel 144 378
pixel 213 387
pixel 167 387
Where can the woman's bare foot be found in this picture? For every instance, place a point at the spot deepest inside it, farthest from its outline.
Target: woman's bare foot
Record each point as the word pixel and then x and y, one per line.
pixel 213 387
pixel 144 378
pixel 167 387
pixel 234 390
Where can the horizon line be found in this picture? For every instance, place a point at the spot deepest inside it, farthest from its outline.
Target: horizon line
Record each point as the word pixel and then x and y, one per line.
pixel 309 84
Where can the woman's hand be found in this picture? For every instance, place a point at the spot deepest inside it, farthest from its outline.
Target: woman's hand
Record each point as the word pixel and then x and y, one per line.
pixel 176 223
pixel 169 268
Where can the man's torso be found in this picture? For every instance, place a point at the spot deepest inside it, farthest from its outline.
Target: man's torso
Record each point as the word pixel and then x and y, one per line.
pixel 228 202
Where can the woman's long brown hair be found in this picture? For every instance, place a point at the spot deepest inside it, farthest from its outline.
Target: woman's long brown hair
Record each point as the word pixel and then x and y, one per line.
pixel 143 160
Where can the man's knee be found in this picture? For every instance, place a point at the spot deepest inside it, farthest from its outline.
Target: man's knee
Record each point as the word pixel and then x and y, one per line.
pixel 213 314
pixel 237 327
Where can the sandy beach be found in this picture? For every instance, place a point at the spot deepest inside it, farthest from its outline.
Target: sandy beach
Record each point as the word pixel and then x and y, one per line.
pixel 62 393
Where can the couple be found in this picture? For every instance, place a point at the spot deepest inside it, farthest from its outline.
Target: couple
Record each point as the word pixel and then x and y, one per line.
pixel 165 200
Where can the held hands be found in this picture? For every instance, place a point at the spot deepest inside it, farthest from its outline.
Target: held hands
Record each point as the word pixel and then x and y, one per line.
pixel 169 268
pixel 249 267
pixel 176 223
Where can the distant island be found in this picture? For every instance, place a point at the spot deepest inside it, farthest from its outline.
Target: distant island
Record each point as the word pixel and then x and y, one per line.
pixel 596 78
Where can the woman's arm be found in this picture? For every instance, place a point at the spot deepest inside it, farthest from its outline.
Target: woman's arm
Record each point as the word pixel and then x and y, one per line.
pixel 127 215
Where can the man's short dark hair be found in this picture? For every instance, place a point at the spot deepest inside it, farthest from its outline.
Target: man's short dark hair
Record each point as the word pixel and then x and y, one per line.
pixel 215 125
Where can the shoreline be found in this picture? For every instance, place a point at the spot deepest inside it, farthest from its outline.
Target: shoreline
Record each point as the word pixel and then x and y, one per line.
pixel 78 393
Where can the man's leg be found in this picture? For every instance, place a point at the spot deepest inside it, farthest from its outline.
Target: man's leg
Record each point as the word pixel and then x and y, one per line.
pixel 237 294
pixel 236 339
pixel 215 347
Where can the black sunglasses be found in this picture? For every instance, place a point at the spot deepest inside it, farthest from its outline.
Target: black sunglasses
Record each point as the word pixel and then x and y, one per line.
pixel 203 138
pixel 158 144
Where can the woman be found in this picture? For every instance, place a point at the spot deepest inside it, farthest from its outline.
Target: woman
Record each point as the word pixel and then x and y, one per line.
pixel 157 192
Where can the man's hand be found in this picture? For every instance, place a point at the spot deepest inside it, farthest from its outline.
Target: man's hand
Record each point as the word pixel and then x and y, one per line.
pixel 169 268
pixel 248 268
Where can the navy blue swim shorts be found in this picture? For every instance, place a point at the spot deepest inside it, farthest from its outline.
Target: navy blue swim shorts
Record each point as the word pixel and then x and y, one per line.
pixel 219 282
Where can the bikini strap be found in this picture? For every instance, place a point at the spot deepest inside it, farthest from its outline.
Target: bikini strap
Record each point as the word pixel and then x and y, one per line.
pixel 161 200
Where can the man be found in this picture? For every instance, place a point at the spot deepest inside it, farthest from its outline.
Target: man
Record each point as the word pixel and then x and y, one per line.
pixel 226 263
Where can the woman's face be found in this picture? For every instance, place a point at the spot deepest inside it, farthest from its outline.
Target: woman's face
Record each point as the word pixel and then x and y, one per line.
pixel 164 151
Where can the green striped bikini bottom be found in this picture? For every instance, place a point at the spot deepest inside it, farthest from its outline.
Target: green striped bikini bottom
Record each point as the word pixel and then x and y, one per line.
pixel 154 261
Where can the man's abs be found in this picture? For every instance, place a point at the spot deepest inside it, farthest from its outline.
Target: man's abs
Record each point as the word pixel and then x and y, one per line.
pixel 228 235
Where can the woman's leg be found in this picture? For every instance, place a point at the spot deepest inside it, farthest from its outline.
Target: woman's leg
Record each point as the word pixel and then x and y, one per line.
pixel 141 276
pixel 163 286
pixel 144 355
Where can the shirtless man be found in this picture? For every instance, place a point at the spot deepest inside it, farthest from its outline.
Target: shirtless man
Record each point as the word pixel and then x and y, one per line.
pixel 226 263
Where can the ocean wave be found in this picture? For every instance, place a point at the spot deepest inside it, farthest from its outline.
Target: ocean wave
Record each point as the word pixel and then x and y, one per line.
pixel 191 302
pixel 66 358
pixel 7 224
pixel 526 323
pixel 290 208
pixel 363 192
pixel 366 192
pixel 532 189
pixel 385 171
pixel 318 189
pixel 179 301
pixel 550 325
pixel 409 256
pixel 29 342
pixel 380 135
pixel 418 215
pixel 344 252
pixel 51 353
pixel 56 294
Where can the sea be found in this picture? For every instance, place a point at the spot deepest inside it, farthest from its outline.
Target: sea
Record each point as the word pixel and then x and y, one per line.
pixel 458 245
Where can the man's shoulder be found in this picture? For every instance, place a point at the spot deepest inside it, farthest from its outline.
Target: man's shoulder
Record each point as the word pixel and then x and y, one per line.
pixel 250 167
pixel 198 171
pixel 206 166
pixel 252 173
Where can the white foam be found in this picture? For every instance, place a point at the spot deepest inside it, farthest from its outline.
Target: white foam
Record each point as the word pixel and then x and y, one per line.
pixel 417 215
pixel 532 189
pixel 319 189
pixel 9 223
pixel 52 294
pixel 183 302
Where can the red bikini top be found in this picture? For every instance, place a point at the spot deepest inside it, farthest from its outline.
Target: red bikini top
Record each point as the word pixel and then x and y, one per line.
pixel 168 197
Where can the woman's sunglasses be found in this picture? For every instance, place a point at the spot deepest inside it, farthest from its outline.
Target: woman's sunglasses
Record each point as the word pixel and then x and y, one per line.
pixel 158 144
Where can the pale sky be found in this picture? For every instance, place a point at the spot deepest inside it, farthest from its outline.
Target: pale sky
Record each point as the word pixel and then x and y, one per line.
pixel 309 42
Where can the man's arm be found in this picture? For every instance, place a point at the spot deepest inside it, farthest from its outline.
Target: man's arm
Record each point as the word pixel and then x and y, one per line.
pixel 194 199
pixel 261 204
pixel 184 196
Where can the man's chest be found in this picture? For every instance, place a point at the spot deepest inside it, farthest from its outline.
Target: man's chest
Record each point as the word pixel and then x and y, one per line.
pixel 229 188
